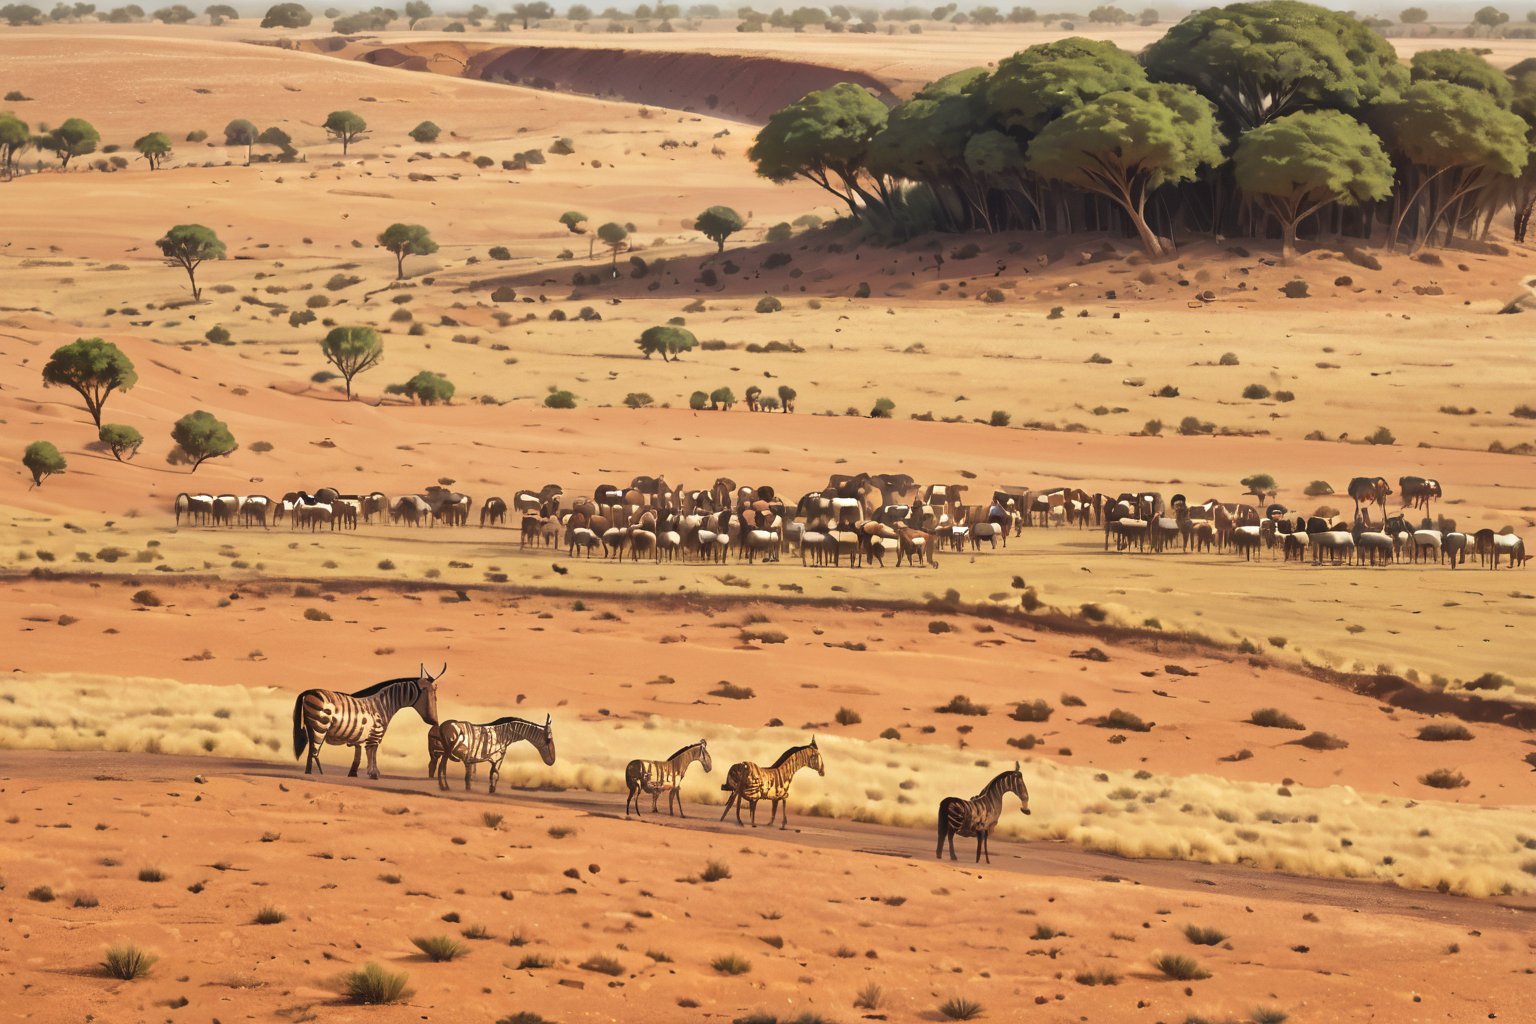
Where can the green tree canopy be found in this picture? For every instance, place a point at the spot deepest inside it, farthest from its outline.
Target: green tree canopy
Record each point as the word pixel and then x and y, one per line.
pixel 406 240
pixel 93 367
pixel 1490 18
pixel 1035 86
pixel 415 10
pixel 120 438
pixel 669 341
pixel 1125 145
pixel 286 16
pixel 75 137
pixel 426 132
pixel 426 387
pixel 154 147
pixel 823 137
pixel 1462 67
pixel 275 136
pixel 218 14
pixel 1260 60
pixel 722 398
pixel 187 246
pixel 787 395
pixel 352 350
pixel 719 223
pixel 1413 16
pixel 573 221
pixel 14 137
pixel 203 436
pixel 1260 485
pixel 241 132
pixel 1296 165
pixel 43 460
pixel 345 127
pixel 614 236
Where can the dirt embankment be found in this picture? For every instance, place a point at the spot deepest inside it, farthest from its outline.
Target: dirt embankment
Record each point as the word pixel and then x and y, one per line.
pixel 744 87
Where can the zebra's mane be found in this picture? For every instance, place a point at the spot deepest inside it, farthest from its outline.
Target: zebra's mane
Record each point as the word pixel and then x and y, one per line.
pixel 791 752
pixel 509 719
pixel 999 780
pixel 369 691
pixel 682 750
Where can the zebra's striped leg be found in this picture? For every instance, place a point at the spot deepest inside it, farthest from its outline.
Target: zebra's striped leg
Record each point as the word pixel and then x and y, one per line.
pixel 783 815
pixel 495 773
pixel 754 813
pixel 629 799
pixel 656 799
pixel 469 775
pixel 357 758
pixel 373 760
pixel 728 802
pixel 678 796
pixel 981 842
pixel 442 772
pixel 939 852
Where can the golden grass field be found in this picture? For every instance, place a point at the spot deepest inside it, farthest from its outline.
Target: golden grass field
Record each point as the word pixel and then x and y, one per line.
pixel 140 734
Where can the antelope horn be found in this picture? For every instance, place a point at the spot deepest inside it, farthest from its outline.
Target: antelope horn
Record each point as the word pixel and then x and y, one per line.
pixel 548 719
pixel 441 671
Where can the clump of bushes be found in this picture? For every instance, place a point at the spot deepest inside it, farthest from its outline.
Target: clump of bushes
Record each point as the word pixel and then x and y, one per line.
pixel 1274 718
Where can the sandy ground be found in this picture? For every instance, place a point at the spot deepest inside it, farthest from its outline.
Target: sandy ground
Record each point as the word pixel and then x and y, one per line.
pixel 626 656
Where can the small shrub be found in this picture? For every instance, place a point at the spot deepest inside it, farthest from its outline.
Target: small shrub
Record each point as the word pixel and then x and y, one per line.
pixel 960 1008
pixel 1097 976
pixel 731 691
pixel 999 418
pixel 1152 428
pixel 1321 741
pixel 1180 967
pixel 1274 718
pixel 477 933
pixel 151 875
pixel 535 962
pixel 960 704
pixel 1122 719
pixel 731 964
pixel 1255 392
pixel 602 965
pixel 1440 732
pixel 870 997
pixel 374 986
pixel 1204 936
pixel 440 948
pixel 125 962
pixel 1318 489
pixel 42 894
pixel 1032 711
pixel 1228 359
pixel 1268 1015
pixel 270 915
pixel 1381 436
pixel 848 716
pixel 1445 778
pixel 768 304
pixel 85 901
pixel 558 399
pixel 715 871
pixel 491 819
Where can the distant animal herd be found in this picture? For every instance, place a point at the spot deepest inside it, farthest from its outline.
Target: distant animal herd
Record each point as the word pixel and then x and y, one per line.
pixel 865 519
pixel 360 719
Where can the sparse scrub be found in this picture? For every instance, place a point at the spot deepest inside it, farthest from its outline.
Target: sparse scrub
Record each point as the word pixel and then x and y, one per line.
pixel 1032 711
pixel 270 915
pixel 151 874
pixel 731 964
pixel 1122 719
pixel 960 704
pixel 601 964
pixel 1274 718
pixel 440 948
pixel 535 962
pixel 731 691
pixel 1321 741
pixel 1180 967
pixel 870 997
pixel 1204 936
pixel 715 871
pixel 126 962
pixel 960 1008
pixel 848 716
pixel 1097 976
pixel 375 986
pixel 1445 778
pixel 1440 732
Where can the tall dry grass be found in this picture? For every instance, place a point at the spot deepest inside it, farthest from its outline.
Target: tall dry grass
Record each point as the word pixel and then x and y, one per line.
pixel 1471 850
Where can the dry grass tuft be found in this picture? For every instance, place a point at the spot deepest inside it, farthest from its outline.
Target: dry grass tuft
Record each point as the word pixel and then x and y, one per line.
pixel 960 1008
pixel 125 962
pixel 731 964
pixel 1180 967
pixel 440 948
pixel 1445 778
pixel 374 986
pixel 1274 718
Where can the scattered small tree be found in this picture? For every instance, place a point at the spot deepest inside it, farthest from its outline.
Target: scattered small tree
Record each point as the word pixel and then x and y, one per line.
pixel 286 16
pixel 218 14
pixel 1261 485
pixel 121 438
pixel 638 400
pixel 203 436
pixel 275 136
pixel 426 132
pixel 187 246
pixel 558 399
pixel 669 341
pixel 75 137
pixel 14 137
pixel 415 10
pixel 615 236
pixel 426 387
pixel 722 398
pixel 1413 16
pixel 345 127
pixel 43 460
pixel 719 223
pixel 241 132
pixel 352 350
pixel 573 221
pixel 94 368
pixel 406 240
pixel 154 147
pixel 787 396
pixel 698 400
pixel 883 409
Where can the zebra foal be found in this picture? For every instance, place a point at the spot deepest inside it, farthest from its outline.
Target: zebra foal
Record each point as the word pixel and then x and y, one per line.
pixel 978 816
pixel 752 782
pixel 358 720
pixel 658 777
pixel 473 743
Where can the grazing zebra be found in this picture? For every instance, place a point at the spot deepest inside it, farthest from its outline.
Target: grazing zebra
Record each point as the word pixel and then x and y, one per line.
pixel 465 741
pixel 751 782
pixel 358 720
pixel 658 777
pixel 978 815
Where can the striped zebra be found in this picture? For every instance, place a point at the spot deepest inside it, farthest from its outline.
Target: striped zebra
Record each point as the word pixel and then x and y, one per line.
pixel 751 782
pixel 658 777
pixel 470 743
pixel 978 815
pixel 358 720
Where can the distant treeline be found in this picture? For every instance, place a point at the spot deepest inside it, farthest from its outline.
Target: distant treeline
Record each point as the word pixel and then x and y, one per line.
pixel 1255 119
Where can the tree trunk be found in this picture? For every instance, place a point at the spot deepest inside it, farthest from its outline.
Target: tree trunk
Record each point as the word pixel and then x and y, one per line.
pixel 399 266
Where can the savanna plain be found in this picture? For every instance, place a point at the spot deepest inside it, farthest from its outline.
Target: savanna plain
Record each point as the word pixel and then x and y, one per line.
pixel 1259 788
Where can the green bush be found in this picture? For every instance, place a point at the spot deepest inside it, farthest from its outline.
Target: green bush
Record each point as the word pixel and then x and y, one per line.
pixel 440 948
pixel 374 986
pixel 125 962
pixel 42 460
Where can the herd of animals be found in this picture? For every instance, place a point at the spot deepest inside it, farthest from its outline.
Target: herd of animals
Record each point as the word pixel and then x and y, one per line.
pixel 359 720
pixel 866 518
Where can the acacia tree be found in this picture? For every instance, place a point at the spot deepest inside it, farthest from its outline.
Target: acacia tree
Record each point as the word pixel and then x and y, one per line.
pixel 14 137
pixel 1299 164
pixel 669 341
pixel 1413 16
pixel 824 137
pixel 42 460
pixel 241 132
pixel 120 438
pixel 187 246
pixel 202 436
pixel 154 147
pixel 614 236
pixel 75 137
pixel 1462 67
pixel 426 387
pixel 352 350
pixel 406 240
pixel 719 223
pixel 1125 145
pixel 286 15
pixel 94 368
pixel 345 127
pixel 1260 485
pixel 573 221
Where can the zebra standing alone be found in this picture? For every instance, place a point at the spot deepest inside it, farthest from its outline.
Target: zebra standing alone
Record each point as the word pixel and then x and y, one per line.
pixel 658 777
pixel 358 720
pixel 752 782
pixel 454 740
pixel 978 816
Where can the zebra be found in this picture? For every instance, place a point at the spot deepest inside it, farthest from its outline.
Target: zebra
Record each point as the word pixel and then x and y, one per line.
pixel 454 740
pixel 358 720
pixel 658 777
pixel 752 782
pixel 978 815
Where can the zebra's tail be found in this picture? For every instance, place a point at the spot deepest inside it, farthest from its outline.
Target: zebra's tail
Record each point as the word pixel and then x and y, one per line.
pixel 300 734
